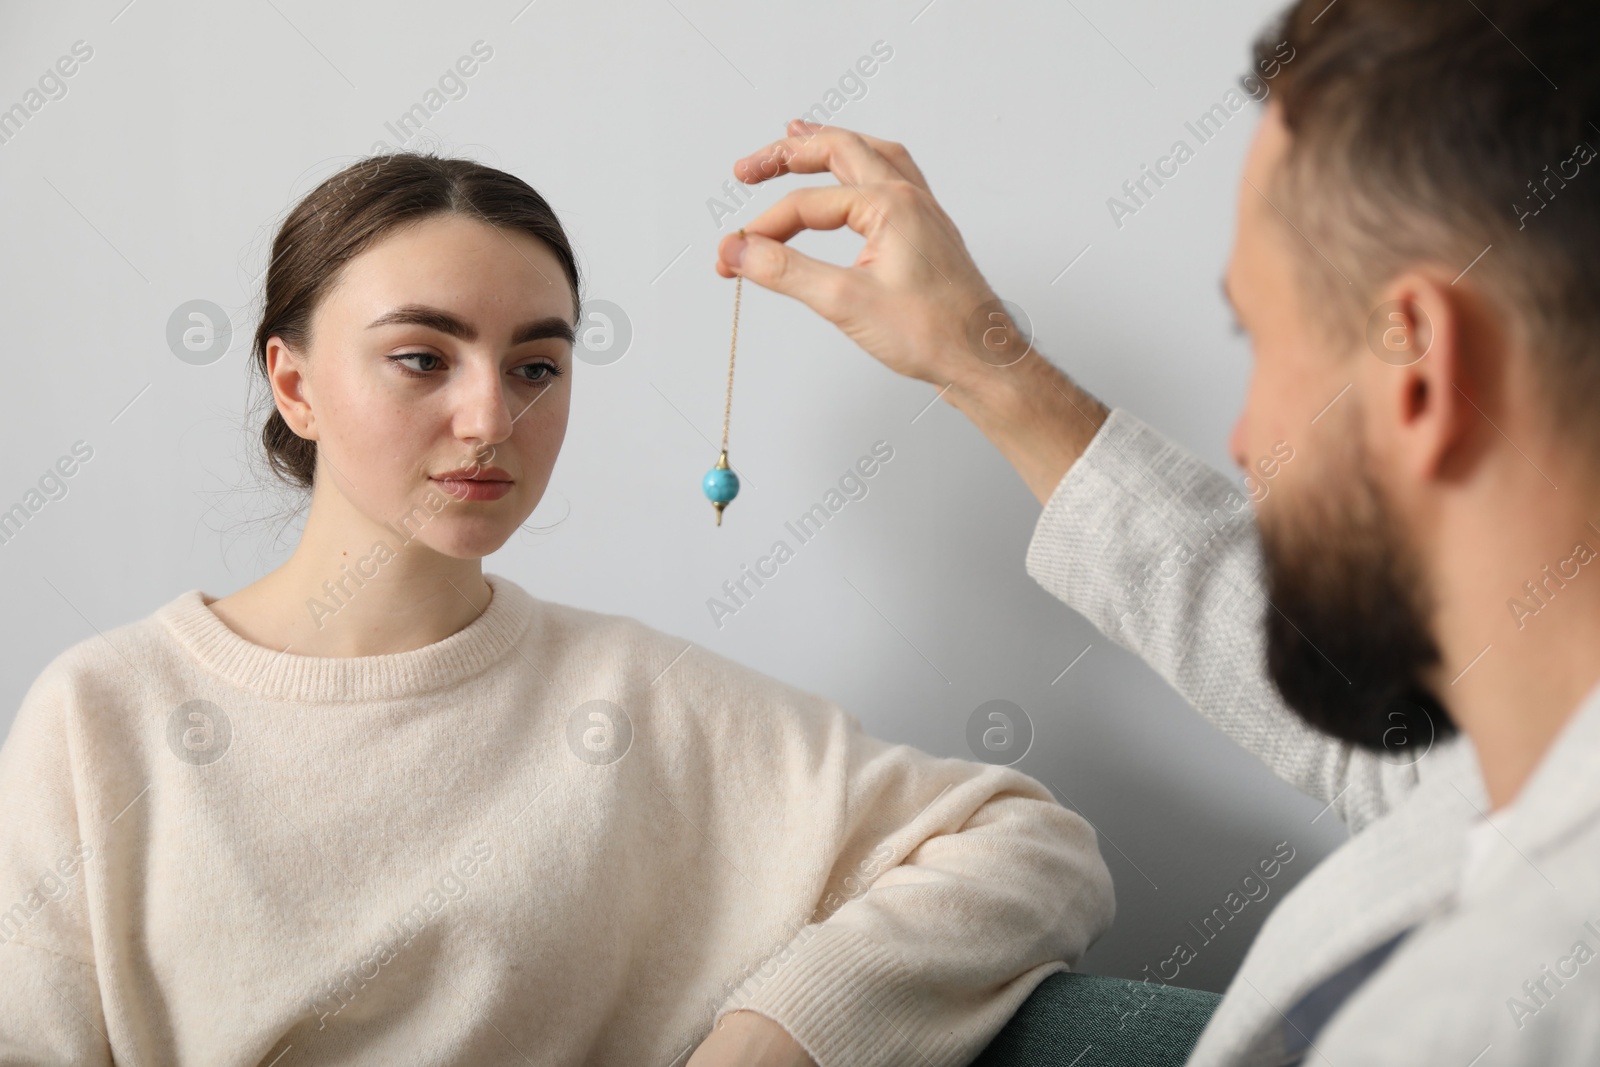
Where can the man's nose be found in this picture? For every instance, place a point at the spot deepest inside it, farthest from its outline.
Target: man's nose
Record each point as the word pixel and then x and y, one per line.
pixel 1236 441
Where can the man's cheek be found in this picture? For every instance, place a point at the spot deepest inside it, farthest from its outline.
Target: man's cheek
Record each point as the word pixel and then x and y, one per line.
pixel 1279 417
pixel 1303 482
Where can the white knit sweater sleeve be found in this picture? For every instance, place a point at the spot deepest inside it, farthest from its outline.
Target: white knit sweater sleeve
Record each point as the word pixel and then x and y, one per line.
pixel 952 890
pixel 50 1010
pixel 1161 553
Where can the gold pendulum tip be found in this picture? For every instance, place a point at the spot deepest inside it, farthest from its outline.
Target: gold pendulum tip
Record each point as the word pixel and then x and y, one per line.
pixel 719 505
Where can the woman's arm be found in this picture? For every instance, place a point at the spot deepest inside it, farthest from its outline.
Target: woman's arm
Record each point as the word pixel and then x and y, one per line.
pixel 746 1039
pixel 953 889
pixel 50 1011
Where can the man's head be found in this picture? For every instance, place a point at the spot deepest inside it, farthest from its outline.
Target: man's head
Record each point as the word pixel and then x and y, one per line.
pixel 1416 264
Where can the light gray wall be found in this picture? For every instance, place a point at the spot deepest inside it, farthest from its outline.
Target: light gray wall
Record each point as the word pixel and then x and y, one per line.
pixel 160 175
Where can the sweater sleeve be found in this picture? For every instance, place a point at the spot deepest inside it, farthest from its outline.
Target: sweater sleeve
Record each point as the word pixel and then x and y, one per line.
pixel 955 889
pixel 50 1010
pixel 1161 553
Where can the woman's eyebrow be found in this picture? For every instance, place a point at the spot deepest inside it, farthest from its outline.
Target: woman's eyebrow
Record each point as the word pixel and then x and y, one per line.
pixel 439 319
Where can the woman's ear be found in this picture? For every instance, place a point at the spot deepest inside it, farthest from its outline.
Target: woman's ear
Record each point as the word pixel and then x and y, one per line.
pixel 1423 411
pixel 286 373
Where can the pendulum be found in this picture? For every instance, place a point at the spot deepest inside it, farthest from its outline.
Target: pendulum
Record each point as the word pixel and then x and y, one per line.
pixel 721 484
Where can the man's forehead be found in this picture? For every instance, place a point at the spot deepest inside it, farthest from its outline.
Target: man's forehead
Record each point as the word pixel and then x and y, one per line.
pixel 1268 147
pixel 1258 213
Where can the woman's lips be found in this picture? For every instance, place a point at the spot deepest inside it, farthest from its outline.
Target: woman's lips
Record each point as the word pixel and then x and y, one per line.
pixel 470 489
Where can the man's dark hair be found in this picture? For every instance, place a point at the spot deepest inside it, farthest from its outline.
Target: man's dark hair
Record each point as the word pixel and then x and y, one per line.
pixel 1426 131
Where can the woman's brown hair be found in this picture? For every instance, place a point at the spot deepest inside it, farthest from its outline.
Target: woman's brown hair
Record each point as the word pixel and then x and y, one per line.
pixel 346 215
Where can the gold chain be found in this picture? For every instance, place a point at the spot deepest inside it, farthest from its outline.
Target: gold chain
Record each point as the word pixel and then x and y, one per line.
pixel 727 406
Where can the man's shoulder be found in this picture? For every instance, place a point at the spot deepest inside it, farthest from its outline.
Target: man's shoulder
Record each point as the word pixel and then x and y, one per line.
pixel 1511 964
pixel 1515 971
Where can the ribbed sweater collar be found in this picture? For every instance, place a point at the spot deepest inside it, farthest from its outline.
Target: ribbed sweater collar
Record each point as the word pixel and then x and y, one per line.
pixel 286 676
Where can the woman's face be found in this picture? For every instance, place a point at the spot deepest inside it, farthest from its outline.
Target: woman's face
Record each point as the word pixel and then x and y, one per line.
pixel 445 346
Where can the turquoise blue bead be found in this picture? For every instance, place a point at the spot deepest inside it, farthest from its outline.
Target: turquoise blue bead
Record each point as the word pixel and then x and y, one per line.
pixel 720 484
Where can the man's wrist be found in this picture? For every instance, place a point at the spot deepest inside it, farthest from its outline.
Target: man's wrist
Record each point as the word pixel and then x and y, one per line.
pixel 1038 418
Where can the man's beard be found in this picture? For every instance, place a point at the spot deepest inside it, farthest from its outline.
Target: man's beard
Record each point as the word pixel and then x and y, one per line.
pixel 1348 637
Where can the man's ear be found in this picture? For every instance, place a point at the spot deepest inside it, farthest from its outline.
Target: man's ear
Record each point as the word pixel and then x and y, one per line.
pixel 1422 409
pixel 286 373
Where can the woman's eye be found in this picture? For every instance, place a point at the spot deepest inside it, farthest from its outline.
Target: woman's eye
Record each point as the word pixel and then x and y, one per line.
pixel 548 372
pixel 401 358
pixel 537 373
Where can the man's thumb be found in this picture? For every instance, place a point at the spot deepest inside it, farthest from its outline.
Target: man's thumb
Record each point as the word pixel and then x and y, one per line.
pixel 774 265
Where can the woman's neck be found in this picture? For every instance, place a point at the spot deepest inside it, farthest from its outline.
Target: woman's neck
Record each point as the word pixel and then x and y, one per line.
pixel 340 594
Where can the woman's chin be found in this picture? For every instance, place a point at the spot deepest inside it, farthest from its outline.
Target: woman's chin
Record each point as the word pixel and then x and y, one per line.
pixel 472 539
pixel 478 549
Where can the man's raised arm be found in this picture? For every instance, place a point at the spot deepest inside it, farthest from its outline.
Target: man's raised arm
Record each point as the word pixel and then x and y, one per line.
pixel 1154 547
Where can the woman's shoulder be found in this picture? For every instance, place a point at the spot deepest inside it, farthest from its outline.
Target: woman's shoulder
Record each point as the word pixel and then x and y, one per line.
pixel 109 648
pixel 655 659
pixel 98 671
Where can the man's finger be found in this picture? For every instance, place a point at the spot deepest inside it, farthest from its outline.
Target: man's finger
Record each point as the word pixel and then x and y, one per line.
pixel 774 265
pixel 893 151
pixel 811 149
pixel 821 207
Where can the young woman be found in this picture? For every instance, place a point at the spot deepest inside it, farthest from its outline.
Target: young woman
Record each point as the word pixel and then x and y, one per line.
pixel 382 807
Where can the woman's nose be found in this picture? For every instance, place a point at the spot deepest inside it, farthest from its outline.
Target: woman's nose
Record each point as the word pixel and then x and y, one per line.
pixel 481 409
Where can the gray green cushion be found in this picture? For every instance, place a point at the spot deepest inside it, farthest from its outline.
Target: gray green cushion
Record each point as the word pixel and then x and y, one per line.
pixel 1088 1020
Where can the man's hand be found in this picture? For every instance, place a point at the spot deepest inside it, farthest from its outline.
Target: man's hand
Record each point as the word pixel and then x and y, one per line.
pixel 748 1039
pixel 913 289
pixel 914 299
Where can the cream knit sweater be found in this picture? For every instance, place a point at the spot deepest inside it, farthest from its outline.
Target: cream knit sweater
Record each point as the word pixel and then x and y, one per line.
pixel 554 837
